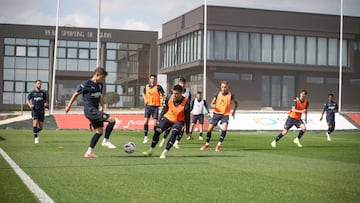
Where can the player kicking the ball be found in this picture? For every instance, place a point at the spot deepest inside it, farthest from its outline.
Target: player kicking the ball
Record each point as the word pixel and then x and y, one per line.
pixel 172 116
pixel 93 99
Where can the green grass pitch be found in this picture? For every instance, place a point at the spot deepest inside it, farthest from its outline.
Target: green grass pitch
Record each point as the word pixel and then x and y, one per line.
pixel 246 170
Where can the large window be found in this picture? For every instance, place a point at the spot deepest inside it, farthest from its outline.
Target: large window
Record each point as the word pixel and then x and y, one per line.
pixel 25 60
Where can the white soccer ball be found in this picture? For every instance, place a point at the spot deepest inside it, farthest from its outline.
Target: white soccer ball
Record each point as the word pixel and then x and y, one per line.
pixel 129 147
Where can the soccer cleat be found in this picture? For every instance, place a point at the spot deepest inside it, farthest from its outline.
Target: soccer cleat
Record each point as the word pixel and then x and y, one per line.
pixel 205 146
pixel 176 145
pixel 190 137
pixel 162 143
pixel 145 139
pixel 273 144
pixel 108 145
pixel 297 142
pixel 36 141
pixel 217 148
pixel 163 156
pixel 147 153
pixel 90 155
pixel 328 136
pixel 201 138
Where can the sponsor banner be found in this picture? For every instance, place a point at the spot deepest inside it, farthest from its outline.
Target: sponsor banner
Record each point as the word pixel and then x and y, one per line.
pixel 276 121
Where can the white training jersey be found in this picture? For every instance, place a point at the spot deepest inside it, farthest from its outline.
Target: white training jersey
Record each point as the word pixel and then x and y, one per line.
pixel 198 107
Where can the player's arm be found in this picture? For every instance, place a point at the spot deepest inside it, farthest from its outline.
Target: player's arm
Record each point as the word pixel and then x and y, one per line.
pixel 192 105
pixel 165 107
pixel 144 96
pixel 213 102
pixel 101 103
pixel 323 111
pixel 162 94
pixel 187 116
pixel 206 107
pixel 72 99
pixel 30 105
pixel 305 112
pixel 236 104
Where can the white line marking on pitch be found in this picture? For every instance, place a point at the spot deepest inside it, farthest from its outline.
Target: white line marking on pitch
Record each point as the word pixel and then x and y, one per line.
pixel 39 193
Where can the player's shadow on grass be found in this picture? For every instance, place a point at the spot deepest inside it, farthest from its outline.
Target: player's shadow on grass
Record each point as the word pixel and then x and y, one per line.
pixel 175 156
pixel 2 139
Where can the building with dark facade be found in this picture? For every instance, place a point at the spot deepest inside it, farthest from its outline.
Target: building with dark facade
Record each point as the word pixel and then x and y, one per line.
pixel 27 52
pixel 267 56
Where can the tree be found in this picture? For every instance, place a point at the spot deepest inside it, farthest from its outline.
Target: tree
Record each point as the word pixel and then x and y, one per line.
pixel 111 98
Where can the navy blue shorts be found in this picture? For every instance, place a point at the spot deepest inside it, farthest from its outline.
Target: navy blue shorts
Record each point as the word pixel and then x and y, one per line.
pixel 37 115
pixel 97 118
pixel 151 111
pixel 219 117
pixel 165 124
pixel 290 122
pixel 330 121
pixel 199 118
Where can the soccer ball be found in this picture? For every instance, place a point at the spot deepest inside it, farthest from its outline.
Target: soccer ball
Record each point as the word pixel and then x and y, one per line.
pixel 129 147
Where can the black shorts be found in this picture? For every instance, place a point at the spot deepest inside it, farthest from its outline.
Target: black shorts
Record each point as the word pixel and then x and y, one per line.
pixel 290 122
pixel 97 118
pixel 199 117
pixel 38 115
pixel 151 111
pixel 165 124
pixel 219 117
pixel 330 121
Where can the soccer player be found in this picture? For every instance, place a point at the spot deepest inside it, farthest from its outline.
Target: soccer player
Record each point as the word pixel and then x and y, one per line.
pixel 331 108
pixel 299 106
pixel 197 107
pixel 186 93
pixel 174 115
pixel 92 90
pixel 37 102
pixel 222 106
pixel 152 95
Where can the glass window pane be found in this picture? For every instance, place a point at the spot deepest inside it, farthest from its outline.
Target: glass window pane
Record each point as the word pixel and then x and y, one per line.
pixel 110 78
pixel 321 51
pixel 210 45
pixel 9 62
pixel 254 47
pixel 20 86
pixel 61 64
pixel 83 65
pixel 111 66
pixel 8 86
pixel 278 49
pixel 20 41
pixel 93 44
pixel 231 46
pixel 71 53
pixel 9 50
pixel 333 55
pixel 110 88
pixel 72 43
pixel 20 62
pixel 310 50
pixel 20 51
pixel 111 45
pixel 93 65
pixel 20 74
pixel 93 54
pixel 19 98
pixel 111 54
pixel 83 44
pixel 44 52
pixel 32 63
pixel 33 42
pixel 44 42
pixel 275 91
pixel 220 45
pixel 344 53
pixel 9 41
pixel 43 75
pixel 266 42
pixel 62 43
pixel 289 49
pixel 31 75
pixel 300 50
pixel 84 53
pixel 32 51
pixel 71 64
pixel 315 80
pixel 9 74
pixel 43 63
pixel 8 98
pixel 61 53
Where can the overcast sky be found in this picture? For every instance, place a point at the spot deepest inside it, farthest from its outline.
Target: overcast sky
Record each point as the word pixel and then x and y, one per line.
pixel 146 14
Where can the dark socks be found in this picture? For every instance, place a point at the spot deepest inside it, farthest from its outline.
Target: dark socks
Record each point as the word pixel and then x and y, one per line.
pixel 208 137
pixel 35 131
pixel 301 133
pixel 222 136
pixel 146 129
pixel 94 140
pixel 109 129
pixel 166 133
pixel 279 137
pixel 155 139
pixel 172 139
